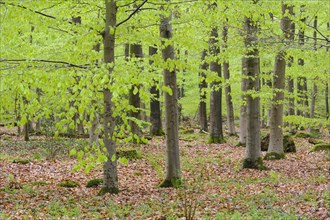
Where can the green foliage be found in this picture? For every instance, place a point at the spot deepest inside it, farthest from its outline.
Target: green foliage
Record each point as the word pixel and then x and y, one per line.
pixel 69 184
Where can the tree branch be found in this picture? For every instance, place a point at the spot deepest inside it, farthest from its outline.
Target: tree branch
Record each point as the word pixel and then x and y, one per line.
pixel 85 66
pixel 131 15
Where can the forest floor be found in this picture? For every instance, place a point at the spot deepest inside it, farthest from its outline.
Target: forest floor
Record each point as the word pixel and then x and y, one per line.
pixel 215 186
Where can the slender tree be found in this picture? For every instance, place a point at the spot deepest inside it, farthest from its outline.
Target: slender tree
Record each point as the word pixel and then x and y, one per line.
pixel 110 177
pixel 202 93
pixel 155 111
pixel 134 95
pixel 226 75
pixel 173 170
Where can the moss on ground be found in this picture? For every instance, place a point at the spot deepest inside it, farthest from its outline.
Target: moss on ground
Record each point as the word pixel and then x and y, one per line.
pixel 257 164
pixel 94 183
pixel 274 156
pixel 128 153
pixel 69 184
pixel 21 161
pixel 106 190
pixel 321 147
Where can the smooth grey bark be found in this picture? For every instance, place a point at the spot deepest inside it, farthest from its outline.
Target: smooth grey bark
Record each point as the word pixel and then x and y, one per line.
pixel 243 110
pixel 327 100
pixel 202 112
pixel 302 81
pixel 155 111
pixel 110 176
pixel 226 75
pixel 276 119
pixel 314 89
pixel 251 66
pixel 134 99
pixel 216 132
pixel 173 170
pixel 289 36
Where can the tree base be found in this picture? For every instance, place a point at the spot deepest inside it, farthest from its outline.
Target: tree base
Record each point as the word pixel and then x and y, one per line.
pixel 106 190
pixel 174 182
pixel 159 132
pixel 255 164
pixel 241 144
pixel 274 156
pixel 215 140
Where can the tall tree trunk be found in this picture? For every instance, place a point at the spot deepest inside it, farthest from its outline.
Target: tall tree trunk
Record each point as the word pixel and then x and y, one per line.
pixel 251 65
pixel 216 133
pixel 155 111
pixel 276 149
pixel 314 89
pixel 302 80
pixel 290 80
pixel 134 97
pixel 110 177
pixel 202 93
pixel 226 75
pixel 243 109
pixel 173 170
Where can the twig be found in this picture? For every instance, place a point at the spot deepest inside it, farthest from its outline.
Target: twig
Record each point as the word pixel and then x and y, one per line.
pixel 131 15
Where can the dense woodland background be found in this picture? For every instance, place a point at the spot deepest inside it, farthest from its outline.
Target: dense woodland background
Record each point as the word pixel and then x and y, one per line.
pixel 185 95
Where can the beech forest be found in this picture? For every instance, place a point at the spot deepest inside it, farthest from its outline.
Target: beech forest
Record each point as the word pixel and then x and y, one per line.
pixel 165 109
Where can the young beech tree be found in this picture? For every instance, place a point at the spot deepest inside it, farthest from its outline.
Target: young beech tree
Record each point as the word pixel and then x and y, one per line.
pixel 251 68
pixel 226 75
pixel 275 149
pixel 110 178
pixel 216 133
pixel 155 111
pixel 202 93
pixel 173 170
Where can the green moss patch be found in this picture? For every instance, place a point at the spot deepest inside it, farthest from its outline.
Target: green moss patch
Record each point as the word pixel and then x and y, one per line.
pixel 215 140
pixel 69 184
pixel 174 182
pixel 94 183
pixel 321 147
pixel 307 135
pixel 274 156
pixel 130 154
pixel 39 183
pixel 254 164
pixel 106 190
pixel 21 161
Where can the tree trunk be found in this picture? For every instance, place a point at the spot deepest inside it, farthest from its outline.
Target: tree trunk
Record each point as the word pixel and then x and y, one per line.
pixel 202 112
pixel 155 112
pixel 216 133
pixel 302 81
pixel 314 90
pixel 251 65
pixel 275 149
pixel 134 97
pixel 173 170
pixel 243 110
pixel 229 102
pixel 110 177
